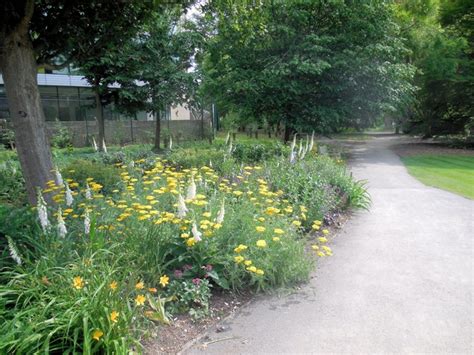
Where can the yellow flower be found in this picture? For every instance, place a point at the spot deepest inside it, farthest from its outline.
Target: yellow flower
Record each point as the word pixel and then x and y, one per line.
pixel 114 316
pixel 185 235
pixel 322 239
pixel 278 231
pixel 190 242
pixel 276 239
pixel 296 223
pixel 314 247
pixel 315 227
pixel 206 214
pixel 261 243
pixel 259 272
pixel 261 219
pixel 260 229
pixel 326 249
pixel 240 248
pixel 113 285
pixel 140 285
pixel 97 334
pixel 140 300
pixel 152 290
pixel 252 269
pixel 325 231
pixel 238 193
pixel 78 282
pixel 164 280
pixel 321 254
pixel 248 262
pixel 318 223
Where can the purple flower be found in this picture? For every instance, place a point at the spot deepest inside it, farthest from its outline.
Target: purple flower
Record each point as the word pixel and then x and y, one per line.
pixel 197 281
pixel 208 267
pixel 187 267
pixel 178 274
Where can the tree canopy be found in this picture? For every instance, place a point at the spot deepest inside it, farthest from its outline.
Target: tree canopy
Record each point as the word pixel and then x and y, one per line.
pixel 310 65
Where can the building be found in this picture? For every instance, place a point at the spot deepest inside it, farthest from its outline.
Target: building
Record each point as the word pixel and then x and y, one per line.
pixel 69 102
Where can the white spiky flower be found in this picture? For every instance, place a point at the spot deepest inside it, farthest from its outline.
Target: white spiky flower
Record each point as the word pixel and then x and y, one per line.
pixel 69 198
pixel 88 192
pixel 221 214
pixel 13 250
pixel 131 164
pixel 300 149
pixel 42 212
pixel 87 222
pixel 104 147
pixel 62 230
pixel 231 147
pixel 311 143
pixel 210 164
pixel 196 234
pixel 292 156
pixel 191 194
pixel 59 177
pixel 227 139
pixel 171 143
pixel 94 144
pixel 293 144
pixel 182 209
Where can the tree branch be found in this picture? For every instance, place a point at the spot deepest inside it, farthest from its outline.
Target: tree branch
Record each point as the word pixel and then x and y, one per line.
pixel 25 21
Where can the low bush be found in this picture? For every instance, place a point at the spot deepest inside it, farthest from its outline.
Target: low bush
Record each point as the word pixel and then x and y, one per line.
pixel 12 185
pixel 82 170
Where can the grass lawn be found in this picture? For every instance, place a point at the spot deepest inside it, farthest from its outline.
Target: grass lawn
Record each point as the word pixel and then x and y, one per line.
pixel 448 172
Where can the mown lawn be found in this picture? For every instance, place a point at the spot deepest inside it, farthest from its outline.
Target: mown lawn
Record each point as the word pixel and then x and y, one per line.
pixel 448 172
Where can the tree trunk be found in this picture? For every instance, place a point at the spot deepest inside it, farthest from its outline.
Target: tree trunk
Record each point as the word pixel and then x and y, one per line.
pixel 19 74
pixel 157 132
pixel 100 120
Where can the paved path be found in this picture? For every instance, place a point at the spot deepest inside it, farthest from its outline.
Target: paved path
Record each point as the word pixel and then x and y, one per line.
pixel 400 280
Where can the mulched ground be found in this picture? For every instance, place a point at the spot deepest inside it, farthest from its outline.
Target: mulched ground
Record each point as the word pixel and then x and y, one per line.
pixel 418 147
pixel 172 339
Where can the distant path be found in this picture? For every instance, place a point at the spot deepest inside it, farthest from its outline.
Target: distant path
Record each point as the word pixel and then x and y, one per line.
pixel 400 280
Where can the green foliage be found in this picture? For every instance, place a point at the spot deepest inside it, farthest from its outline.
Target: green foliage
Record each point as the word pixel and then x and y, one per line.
pixel 439 35
pixel 345 70
pixel 192 296
pixel 45 309
pixel 321 184
pixel 144 261
pixel 81 170
pixel 12 185
pixel 62 138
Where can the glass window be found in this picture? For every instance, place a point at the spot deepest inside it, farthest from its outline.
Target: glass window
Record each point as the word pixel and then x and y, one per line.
pixel 49 99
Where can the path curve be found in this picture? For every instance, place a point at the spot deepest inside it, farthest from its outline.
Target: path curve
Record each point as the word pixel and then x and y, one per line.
pixel 400 280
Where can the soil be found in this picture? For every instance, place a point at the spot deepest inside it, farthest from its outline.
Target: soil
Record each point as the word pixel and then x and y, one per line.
pixel 416 147
pixel 182 330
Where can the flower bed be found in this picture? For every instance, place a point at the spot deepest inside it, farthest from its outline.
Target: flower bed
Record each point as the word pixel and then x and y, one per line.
pixel 92 273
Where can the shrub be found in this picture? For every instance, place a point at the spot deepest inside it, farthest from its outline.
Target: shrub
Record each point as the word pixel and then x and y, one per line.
pixel 12 185
pixel 81 170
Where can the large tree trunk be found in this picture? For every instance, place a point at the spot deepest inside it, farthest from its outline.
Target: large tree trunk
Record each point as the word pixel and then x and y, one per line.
pixel 19 74
pixel 157 132
pixel 100 120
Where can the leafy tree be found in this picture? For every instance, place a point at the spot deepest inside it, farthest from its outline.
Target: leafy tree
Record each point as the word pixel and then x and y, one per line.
pixel 321 65
pixel 159 66
pixel 38 32
pixel 438 35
